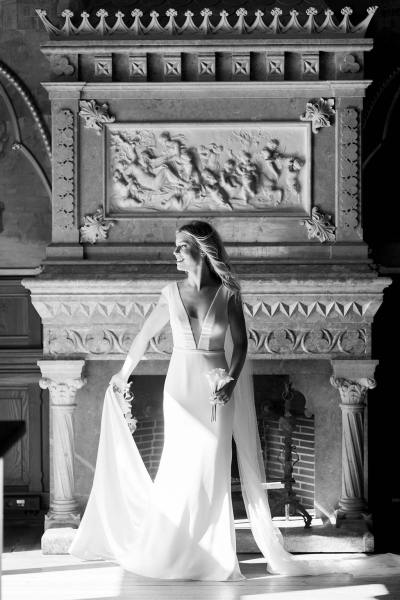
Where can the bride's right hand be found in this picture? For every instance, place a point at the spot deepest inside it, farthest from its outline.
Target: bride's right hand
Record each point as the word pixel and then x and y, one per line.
pixel 118 383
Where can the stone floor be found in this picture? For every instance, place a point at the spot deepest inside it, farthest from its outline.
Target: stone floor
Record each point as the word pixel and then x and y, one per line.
pixel 29 575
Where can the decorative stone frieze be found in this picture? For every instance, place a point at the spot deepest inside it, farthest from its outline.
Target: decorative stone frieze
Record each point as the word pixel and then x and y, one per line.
pixel 205 23
pixel 320 113
pixel 103 67
pixel 172 67
pixel 95 115
pixel 64 169
pixel 280 341
pixel 138 67
pixel 349 171
pixel 240 66
pixel 206 67
pixel 62 65
pixel 348 64
pixel 62 379
pixel 290 308
pixel 310 66
pixel 245 167
pixel 319 226
pixel 275 66
pixel 95 227
pixel 353 379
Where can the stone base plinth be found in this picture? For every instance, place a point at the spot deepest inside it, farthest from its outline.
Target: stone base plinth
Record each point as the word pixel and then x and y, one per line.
pixel 57 540
pixel 354 537
pixel 52 521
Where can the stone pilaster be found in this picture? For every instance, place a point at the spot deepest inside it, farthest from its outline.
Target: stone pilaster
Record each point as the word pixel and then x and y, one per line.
pixel 62 378
pixel 353 379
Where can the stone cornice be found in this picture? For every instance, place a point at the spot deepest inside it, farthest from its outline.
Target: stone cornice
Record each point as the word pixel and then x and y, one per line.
pixel 107 46
pixel 201 89
pixel 141 286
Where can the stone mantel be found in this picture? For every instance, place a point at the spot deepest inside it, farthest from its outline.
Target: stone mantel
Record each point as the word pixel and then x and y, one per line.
pixel 287 317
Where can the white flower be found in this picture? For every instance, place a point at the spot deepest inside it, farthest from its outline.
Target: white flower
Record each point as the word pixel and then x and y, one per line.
pixel 217 378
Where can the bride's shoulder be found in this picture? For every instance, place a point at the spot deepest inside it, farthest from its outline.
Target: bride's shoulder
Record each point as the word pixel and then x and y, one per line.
pixel 166 290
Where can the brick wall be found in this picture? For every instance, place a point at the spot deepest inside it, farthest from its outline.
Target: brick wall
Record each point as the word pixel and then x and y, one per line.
pixel 149 438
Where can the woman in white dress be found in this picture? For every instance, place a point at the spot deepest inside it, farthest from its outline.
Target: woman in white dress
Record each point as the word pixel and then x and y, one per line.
pixel 181 526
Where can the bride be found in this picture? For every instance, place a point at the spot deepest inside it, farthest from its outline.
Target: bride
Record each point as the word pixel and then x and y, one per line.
pixel 181 525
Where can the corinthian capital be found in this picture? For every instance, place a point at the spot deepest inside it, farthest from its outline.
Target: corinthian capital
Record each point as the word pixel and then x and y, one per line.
pixel 62 378
pixel 64 392
pixel 352 393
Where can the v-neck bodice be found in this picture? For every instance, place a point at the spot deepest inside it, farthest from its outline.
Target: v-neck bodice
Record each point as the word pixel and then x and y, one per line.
pixel 211 332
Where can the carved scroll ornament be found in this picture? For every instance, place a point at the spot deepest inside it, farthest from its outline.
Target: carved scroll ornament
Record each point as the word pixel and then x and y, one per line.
pixel 280 341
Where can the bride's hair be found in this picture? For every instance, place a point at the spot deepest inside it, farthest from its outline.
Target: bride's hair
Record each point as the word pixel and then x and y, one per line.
pixel 210 243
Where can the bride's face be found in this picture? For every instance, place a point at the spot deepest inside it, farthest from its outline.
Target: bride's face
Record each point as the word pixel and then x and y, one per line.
pixel 187 253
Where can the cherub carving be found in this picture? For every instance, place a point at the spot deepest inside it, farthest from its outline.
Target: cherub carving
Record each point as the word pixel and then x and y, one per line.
pixel 213 190
pixel 209 156
pixel 248 174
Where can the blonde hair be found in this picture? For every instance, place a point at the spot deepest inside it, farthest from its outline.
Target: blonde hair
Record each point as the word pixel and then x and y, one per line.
pixel 210 243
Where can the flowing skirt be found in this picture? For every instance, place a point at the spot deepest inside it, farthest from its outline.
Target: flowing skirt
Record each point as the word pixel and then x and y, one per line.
pixel 181 526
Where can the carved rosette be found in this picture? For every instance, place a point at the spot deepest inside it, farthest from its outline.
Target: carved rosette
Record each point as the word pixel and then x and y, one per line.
pixel 95 115
pixel 349 174
pixel 352 394
pixel 319 226
pixel 64 169
pixel 95 227
pixel 320 113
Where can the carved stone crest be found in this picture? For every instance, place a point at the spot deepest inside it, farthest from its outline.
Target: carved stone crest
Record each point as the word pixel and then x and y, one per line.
pixel 319 226
pixel 210 167
pixel 95 227
pixel 95 115
pixel 320 113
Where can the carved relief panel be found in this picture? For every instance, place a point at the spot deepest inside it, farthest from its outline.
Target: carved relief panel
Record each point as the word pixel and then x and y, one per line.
pixel 209 167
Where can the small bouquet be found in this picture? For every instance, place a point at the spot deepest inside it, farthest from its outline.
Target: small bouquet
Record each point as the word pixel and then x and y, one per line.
pixel 217 378
pixel 125 397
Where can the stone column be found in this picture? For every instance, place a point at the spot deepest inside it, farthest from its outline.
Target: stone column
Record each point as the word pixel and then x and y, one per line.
pixel 62 378
pixel 353 378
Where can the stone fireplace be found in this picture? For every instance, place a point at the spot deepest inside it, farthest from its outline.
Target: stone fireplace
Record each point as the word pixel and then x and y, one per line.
pixel 252 123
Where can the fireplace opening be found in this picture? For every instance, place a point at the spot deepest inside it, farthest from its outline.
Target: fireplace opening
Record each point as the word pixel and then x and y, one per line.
pixel 269 393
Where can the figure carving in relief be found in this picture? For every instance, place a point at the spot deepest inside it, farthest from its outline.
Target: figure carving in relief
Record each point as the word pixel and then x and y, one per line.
pixel 247 172
pixel 165 170
pixel 281 174
pixel 214 190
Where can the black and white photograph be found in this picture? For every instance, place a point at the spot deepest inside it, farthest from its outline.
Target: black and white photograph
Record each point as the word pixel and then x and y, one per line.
pixel 199 292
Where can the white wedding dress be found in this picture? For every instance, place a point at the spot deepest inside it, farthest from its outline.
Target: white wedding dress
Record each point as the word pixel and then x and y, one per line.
pixel 181 526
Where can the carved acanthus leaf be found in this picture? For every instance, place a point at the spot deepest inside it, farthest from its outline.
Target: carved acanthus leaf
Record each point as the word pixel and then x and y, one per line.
pixel 95 115
pixel 95 227
pixel 320 113
pixel 353 393
pixel 62 393
pixel 319 226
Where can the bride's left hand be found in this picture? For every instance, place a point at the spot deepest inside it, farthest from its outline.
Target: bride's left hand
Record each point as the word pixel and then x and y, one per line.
pixel 223 395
